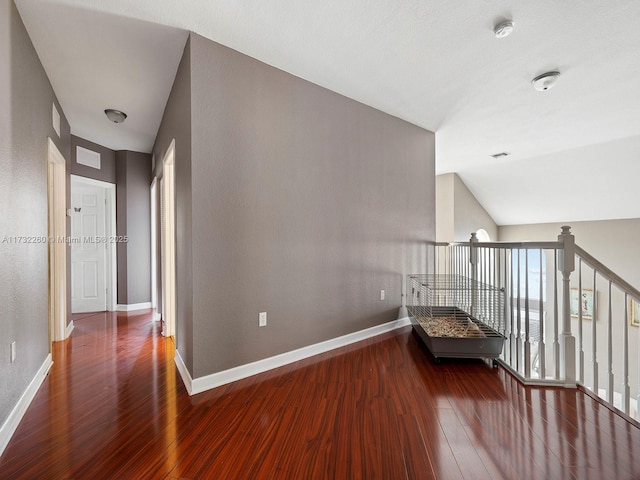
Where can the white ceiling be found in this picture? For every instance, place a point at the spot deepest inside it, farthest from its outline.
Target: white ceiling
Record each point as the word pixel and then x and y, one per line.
pixel 575 150
pixel 97 61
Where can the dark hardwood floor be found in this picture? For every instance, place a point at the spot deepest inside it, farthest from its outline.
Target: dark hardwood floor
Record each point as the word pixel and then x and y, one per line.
pixel 114 407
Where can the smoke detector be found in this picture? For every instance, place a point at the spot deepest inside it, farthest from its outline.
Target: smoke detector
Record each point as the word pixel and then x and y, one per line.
pixel 545 81
pixel 503 29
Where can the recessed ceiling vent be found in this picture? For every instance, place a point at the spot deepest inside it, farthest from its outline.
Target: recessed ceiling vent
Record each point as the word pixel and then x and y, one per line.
pixel 545 81
pixel 500 155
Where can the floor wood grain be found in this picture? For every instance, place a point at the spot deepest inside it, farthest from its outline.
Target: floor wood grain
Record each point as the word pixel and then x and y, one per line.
pixel 114 407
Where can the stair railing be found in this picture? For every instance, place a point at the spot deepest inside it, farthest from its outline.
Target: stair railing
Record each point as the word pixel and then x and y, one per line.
pixel 607 313
pixel 556 318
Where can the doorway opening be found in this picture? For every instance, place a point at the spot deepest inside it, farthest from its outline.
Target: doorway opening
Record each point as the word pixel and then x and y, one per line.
pixel 57 193
pixel 93 245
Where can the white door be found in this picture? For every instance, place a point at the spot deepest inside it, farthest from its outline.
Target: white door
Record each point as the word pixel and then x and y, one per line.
pixel 88 249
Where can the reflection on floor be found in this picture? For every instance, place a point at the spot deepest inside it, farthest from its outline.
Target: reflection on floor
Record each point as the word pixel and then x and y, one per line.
pixel 114 407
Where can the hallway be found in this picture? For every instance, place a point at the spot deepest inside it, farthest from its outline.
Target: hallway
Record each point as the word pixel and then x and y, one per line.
pixel 114 407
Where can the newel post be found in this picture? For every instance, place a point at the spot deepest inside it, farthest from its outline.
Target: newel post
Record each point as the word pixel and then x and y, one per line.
pixel 473 260
pixel 566 265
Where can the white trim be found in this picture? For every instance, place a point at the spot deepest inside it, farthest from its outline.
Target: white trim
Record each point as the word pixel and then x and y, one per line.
pixel 153 193
pixel 92 182
pixel 56 204
pixel 133 306
pixel 168 241
pixel 184 373
pixel 11 424
pixel 69 329
pixel 534 382
pixel 156 316
pixel 201 384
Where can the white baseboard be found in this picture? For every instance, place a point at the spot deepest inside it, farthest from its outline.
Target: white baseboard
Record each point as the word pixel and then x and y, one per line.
pixel 69 329
pixel 202 384
pixel 157 317
pixel 133 306
pixel 11 424
pixel 184 373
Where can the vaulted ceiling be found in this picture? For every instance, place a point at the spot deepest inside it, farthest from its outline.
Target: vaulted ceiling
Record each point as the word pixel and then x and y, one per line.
pixel 574 150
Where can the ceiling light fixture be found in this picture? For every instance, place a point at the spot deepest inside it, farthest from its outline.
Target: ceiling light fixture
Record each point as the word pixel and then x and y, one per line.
pixel 116 116
pixel 500 155
pixel 503 29
pixel 545 81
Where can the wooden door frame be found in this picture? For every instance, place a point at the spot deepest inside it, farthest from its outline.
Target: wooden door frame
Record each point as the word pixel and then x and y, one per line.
pixel 168 243
pixel 57 244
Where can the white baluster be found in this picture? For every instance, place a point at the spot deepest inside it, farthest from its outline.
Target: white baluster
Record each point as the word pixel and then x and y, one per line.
pixel 580 333
pixel 626 389
pixel 507 303
pixel 594 336
pixel 519 345
pixel 473 265
pixel 527 332
pixel 610 349
pixel 567 341
pixel 512 339
pixel 541 344
pixel 638 340
pixel 556 344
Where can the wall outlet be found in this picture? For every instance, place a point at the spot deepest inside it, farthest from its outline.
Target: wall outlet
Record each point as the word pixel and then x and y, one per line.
pixel 12 351
pixel 262 319
pixel 381 294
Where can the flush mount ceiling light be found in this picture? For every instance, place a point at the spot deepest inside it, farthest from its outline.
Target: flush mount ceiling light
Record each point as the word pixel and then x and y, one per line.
pixel 503 29
pixel 500 155
pixel 545 81
pixel 116 116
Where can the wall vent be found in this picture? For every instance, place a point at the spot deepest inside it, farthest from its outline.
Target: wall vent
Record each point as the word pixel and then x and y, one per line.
pixel 55 119
pixel 87 157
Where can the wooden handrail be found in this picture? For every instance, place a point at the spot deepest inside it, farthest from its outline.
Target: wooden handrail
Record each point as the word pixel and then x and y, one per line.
pixel 607 273
pixel 521 245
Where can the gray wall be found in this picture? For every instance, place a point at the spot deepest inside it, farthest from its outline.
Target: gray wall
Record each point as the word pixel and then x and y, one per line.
pixel 121 224
pixel 305 205
pixel 470 215
pixel 134 213
pixel 445 208
pixel 107 171
pixel 26 98
pixel 458 211
pixel 176 124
